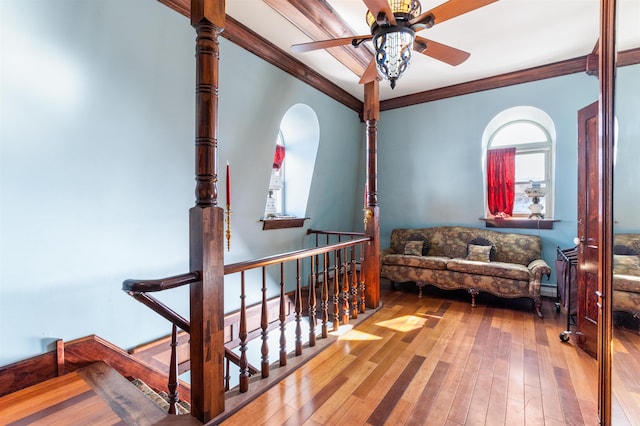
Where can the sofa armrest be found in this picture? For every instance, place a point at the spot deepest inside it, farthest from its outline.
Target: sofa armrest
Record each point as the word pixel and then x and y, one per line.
pixel 537 269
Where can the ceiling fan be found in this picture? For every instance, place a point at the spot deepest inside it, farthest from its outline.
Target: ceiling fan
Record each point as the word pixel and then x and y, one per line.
pixel 394 24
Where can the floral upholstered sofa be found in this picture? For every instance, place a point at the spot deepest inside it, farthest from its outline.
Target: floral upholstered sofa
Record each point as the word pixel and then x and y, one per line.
pixel 626 273
pixel 457 257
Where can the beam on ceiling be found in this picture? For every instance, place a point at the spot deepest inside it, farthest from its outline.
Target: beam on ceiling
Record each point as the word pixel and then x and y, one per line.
pixel 319 21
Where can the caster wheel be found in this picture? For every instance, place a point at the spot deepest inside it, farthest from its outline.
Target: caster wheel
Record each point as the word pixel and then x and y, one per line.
pixel 564 337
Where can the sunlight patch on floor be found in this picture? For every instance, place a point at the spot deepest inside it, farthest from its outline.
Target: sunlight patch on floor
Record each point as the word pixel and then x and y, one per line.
pixel 359 335
pixel 404 323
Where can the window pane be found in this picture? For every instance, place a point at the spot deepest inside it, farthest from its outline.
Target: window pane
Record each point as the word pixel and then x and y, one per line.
pixel 522 201
pixel 518 133
pixel 530 167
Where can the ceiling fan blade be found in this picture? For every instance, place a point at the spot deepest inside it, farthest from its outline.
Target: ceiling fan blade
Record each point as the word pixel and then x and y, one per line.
pixel 377 6
pixel 450 9
pixel 323 44
pixel 442 52
pixel 370 74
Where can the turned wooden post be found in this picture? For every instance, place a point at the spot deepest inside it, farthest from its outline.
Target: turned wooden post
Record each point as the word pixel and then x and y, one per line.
pixel 371 115
pixel 206 223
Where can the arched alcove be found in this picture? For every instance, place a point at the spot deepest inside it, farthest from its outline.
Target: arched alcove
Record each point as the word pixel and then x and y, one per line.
pixel 300 135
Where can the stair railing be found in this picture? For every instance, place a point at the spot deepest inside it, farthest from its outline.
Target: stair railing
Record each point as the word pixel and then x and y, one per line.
pixel 338 259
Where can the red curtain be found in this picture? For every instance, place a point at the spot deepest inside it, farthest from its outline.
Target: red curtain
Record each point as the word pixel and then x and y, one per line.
pixel 278 157
pixel 501 175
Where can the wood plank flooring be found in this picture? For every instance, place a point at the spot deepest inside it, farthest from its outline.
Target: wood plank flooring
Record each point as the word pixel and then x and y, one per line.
pixel 438 361
pixel 93 395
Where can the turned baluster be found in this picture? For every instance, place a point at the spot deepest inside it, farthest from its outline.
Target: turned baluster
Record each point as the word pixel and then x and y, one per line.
pixel 312 303
pixel 173 372
pixel 362 304
pixel 298 308
pixel 264 324
pixel 227 376
pixel 354 284
pixel 242 334
pixel 324 304
pixel 282 317
pixel 345 289
pixel 336 291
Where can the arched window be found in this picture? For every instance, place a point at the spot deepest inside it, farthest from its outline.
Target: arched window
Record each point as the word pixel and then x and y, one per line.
pixel 275 197
pixel 519 151
pixel 293 164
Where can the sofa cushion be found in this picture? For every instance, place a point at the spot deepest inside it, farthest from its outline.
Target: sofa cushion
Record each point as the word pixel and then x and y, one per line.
pixel 478 253
pixel 427 262
pixel 413 248
pixel 626 283
pixel 481 241
pixel 497 269
pixel 630 243
pixel 626 265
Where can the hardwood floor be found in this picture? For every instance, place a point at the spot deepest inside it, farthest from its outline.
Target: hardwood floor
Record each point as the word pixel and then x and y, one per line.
pixel 93 395
pixel 438 361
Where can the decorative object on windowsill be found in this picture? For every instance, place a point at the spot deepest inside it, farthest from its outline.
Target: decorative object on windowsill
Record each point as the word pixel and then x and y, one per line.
pixel 394 24
pixel 270 212
pixel 535 192
pixel 228 210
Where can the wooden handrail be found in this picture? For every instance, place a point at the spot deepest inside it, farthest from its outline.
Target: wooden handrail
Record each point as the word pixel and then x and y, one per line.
pixel 287 257
pixel 161 309
pixel 353 234
pixel 331 253
pixel 146 286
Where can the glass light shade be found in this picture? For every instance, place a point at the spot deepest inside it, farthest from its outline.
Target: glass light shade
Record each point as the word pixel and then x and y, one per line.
pixel 406 8
pixel 393 52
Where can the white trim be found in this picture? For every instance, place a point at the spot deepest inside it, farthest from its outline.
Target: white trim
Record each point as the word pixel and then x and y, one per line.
pixel 548 291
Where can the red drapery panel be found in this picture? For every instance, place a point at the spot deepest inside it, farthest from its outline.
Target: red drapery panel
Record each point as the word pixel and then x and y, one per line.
pixel 278 157
pixel 501 176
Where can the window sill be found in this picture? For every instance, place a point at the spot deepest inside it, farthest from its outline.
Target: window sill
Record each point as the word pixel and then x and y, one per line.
pixel 522 223
pixel 282 223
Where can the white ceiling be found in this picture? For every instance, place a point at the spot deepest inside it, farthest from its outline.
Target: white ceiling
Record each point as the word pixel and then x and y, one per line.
pixel 505 36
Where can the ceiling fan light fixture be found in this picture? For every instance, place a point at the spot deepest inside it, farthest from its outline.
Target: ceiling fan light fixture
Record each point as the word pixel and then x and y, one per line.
pixel 393 43
pixel 393 46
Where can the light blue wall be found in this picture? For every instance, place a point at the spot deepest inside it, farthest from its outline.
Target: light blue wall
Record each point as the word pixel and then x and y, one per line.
pixel 429 162
pixel 626 180
pixel 97 164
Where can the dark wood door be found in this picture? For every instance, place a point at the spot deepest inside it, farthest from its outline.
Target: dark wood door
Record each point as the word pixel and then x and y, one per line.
pixel 589 189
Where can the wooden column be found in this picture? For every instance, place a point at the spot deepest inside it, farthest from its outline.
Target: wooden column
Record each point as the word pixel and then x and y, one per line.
pixel 607 71
pixel 371 115
pixel 206 223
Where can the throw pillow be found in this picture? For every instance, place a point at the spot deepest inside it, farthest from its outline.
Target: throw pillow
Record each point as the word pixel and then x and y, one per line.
pixel 481 241
pixel 626 264
pixel 413 248
pixel 478 253
pixel 418 237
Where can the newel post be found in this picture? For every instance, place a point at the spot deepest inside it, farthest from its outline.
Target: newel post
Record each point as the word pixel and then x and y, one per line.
pixel 371 115
pixel 206 223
